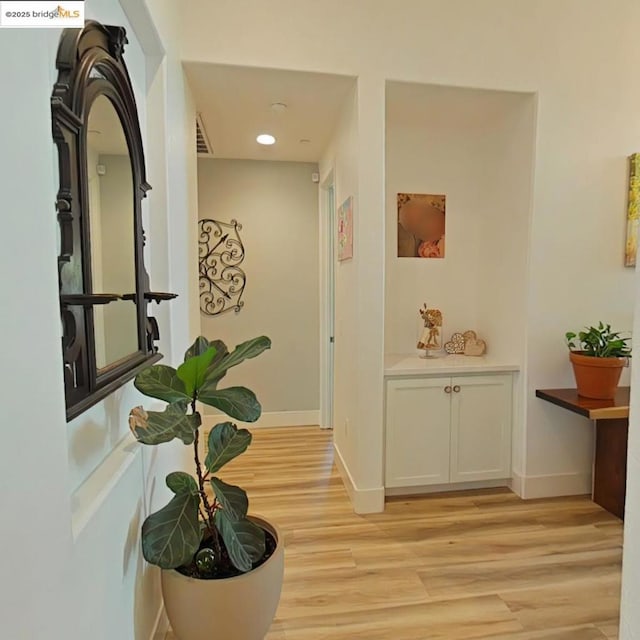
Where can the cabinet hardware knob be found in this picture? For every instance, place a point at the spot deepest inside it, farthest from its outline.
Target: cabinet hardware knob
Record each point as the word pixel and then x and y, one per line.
pixel 457 388
pixel 447 389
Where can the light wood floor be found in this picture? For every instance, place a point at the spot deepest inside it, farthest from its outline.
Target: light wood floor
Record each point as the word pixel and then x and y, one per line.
pixel 449 567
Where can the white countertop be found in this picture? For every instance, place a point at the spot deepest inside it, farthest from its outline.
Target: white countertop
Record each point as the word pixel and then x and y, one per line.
pixel 413 365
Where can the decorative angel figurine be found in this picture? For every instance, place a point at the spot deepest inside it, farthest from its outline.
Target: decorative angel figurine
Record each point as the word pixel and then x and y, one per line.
pixel 430 338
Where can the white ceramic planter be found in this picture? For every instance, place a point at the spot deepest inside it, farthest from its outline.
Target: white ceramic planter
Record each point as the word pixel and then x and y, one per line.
pixel 239 608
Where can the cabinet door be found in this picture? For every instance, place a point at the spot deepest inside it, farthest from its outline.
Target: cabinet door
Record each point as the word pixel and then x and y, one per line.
pixel 481 418
pixel 418 414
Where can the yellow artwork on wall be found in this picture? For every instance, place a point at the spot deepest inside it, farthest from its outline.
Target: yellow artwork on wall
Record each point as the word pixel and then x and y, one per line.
pixel 633 212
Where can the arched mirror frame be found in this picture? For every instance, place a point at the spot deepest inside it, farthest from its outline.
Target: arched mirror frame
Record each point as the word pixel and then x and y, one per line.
pixel 90 64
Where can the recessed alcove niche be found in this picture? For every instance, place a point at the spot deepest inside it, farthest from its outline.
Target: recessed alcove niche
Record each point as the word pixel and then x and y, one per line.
pixel 477 148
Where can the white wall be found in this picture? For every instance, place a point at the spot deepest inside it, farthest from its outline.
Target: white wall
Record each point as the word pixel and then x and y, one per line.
pixel 27 421
pixel 340 161
pixel 504 201
pixel 503 269
pixel 587 125
pixel 630 613
pixel 359 296
pixel 277 205
pixel 76 493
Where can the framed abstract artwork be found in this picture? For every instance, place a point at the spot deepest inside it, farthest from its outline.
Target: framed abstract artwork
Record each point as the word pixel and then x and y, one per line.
pixel 421 225
pixel 633 211
pixel 345 229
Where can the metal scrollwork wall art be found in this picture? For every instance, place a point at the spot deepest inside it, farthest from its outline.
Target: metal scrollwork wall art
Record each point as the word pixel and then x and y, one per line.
pixel 220 253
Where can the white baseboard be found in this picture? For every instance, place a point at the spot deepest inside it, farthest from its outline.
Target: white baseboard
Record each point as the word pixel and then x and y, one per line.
pixel 162 625
pixel 551 486
pixel 441 488
pixel 272 419
pixel 363 500
pixel 517 484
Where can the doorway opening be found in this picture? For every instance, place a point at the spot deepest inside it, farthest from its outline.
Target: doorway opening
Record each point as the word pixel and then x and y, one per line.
pixel 266 152
pixel 327 300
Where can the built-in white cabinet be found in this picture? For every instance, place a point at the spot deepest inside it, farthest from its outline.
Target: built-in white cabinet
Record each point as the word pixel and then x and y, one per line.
pixel 418 432
pixel 447 430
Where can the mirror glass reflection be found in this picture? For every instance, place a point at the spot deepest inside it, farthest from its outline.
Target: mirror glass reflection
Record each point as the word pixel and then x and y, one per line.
pixel 112 227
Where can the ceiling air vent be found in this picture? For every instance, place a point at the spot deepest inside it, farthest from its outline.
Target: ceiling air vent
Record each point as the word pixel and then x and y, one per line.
pixel 202 141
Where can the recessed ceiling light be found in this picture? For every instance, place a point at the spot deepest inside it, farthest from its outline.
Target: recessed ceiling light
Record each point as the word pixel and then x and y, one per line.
pixel 278 107
pixel 304 141
pixel 265 138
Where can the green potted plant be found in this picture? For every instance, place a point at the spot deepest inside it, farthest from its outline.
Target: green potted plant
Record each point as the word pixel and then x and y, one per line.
pixel 597 357
pixel 222 569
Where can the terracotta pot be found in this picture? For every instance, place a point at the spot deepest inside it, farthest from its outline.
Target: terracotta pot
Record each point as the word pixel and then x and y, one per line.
pixel 238 608
pixel 596 377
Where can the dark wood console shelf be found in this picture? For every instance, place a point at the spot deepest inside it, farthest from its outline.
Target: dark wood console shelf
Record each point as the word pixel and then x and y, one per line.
pixel 155 296
pixel 612 427
pixel 88 299
pixel 159 296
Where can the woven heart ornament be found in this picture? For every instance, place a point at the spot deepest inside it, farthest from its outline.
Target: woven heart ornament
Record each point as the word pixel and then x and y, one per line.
pixel 455 345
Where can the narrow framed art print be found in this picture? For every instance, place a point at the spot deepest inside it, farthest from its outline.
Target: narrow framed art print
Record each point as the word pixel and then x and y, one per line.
pixel 345 230
pixel 633 211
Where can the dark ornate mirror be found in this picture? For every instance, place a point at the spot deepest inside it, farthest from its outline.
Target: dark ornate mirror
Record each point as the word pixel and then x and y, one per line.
pixel 107 334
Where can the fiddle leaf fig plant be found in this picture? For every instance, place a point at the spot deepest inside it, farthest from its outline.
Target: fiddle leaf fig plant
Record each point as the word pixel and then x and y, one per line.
pixel 204 528
pixel 599 342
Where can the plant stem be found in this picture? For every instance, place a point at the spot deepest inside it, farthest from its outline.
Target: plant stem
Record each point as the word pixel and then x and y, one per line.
pixel 203 493
pixel 210 511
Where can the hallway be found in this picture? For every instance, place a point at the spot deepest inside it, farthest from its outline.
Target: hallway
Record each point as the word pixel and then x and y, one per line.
pixel 448 567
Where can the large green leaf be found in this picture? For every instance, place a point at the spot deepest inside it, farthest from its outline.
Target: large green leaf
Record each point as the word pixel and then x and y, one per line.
pixel 231 498
pixel 243 540
pixel 156 427
pixel 171 536
pixel 244 351
pixel 237 402
pixel 221 353
pixel 192 371
pixel 200 345
pixel 226 442
pixel 162 382
pixel 181 482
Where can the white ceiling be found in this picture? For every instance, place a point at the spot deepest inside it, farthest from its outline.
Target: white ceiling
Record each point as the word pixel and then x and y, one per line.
pixel 235 106
pixel 414 104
